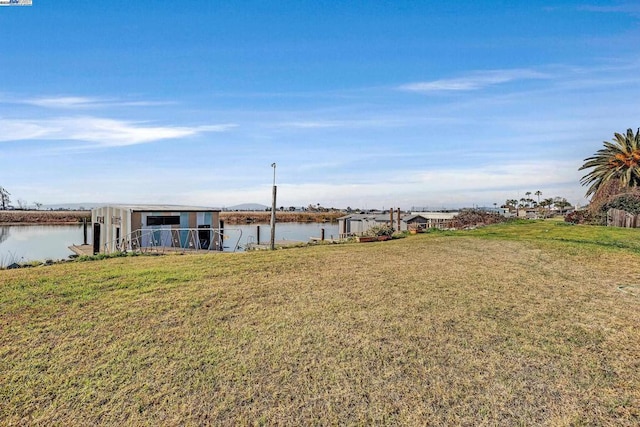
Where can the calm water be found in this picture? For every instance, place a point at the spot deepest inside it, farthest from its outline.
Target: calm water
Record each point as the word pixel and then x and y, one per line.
pixel 24 243
pixel 291 231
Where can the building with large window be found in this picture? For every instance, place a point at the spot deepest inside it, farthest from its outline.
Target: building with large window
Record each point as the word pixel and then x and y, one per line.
pixel 145 227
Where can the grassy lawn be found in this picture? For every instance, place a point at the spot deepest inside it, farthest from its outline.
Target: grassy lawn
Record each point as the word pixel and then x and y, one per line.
pixel 528 324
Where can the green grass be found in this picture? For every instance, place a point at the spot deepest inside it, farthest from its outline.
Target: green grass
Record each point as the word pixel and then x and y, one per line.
pixel 559 231
pixel 522 324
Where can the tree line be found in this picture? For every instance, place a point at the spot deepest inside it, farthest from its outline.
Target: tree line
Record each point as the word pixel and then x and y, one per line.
pixel 5 201
pixel 527 202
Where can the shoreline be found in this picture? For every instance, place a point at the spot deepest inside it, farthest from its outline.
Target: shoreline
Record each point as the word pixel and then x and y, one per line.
pixel 25 224
pixel 16 217
pixel 33 217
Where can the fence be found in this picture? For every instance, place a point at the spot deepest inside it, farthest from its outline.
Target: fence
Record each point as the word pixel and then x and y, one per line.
pixel 170 239
pixel 619 218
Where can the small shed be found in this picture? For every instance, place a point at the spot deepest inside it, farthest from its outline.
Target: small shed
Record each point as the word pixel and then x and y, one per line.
pixel 356 224
pixel 139 227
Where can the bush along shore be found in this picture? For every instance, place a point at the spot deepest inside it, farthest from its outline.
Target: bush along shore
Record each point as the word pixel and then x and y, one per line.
pixel 265 217
pixel 43 217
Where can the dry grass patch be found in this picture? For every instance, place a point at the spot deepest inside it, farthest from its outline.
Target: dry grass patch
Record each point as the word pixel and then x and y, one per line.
pixel 43 217
pixel 441 329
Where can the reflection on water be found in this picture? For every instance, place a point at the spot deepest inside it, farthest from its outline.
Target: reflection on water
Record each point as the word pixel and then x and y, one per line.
pixel 4 233
pixel 24 243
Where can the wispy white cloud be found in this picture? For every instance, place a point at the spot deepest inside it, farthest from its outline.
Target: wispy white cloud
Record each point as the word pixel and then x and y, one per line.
pixel 474 81
pixel 329 123
pixel 61 102
pixel 101 132
pixel 500 176
pixel 79 102
pixel 630 8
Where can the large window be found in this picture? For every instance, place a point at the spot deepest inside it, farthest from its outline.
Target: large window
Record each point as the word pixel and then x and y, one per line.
pixel 163 220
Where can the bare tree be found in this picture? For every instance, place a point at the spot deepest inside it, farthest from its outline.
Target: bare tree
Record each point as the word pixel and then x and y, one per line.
pixel 4 198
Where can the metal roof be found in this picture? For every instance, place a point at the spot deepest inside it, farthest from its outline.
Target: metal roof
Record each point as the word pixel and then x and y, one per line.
pixel 162 208
pixel 431 215
pixel 374 217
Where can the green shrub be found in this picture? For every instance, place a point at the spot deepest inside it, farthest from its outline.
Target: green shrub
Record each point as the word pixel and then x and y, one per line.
pixel 102 256
pixel 585 217
pixel 625 202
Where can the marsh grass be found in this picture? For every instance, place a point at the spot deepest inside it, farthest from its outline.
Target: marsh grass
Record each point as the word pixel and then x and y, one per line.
pixel 507 325
pixel 43 217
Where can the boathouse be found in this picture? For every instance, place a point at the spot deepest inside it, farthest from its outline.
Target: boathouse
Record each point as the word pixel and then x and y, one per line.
pixel 143 227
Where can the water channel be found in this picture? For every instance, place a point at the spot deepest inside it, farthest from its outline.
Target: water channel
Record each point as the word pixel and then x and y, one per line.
pixel 26 243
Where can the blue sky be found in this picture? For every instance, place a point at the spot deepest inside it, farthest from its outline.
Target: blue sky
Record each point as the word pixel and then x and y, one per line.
pixel 362 104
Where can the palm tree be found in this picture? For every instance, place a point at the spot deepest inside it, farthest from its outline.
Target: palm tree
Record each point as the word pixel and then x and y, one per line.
pixel 538 193
pixel 547 202
pixel 561 203
pixel 618 161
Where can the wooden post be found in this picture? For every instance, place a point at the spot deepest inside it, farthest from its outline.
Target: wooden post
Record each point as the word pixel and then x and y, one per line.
pixel 221 235
pixel 272 243
pixel 322 234
pixel 257 234
pixel 391 217
pixel 399 223
pixel 84 226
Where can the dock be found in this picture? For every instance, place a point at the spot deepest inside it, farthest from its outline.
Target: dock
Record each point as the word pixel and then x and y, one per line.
pixel 320 239
pixel 278 244
pixel 81 250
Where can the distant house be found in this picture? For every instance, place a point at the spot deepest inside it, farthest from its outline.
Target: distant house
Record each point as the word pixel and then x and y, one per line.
pixel 424 220
pixel 528 213
pixel 357 224
pixel 504 211
pixel 140 227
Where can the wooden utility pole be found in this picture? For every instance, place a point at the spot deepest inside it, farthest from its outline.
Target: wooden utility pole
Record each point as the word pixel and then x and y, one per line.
pixel 273 209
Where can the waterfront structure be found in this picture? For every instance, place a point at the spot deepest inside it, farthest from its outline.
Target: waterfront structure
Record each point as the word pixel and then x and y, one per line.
pixel 143 227
pixel 424 220
pixel 358 224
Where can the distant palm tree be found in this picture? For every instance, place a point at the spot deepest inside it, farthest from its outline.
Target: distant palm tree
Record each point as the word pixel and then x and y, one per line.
pixel 619 161
pixel 538 193
pixel 511 203
pixel 546 203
